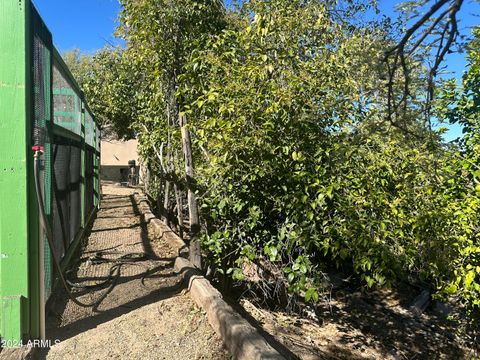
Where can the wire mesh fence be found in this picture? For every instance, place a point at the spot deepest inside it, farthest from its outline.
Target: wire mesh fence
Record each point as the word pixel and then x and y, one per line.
pixel 67 105
pixel 90 127
pixel 67 213
pixel 41 104
pixel 71 138
pixel 50 177
pixel 89 180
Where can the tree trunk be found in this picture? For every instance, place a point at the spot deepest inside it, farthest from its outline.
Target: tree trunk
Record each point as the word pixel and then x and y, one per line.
pixel 195 249
pixel 159 199
pixel 166 203
pixel 178 197
pixel 146 182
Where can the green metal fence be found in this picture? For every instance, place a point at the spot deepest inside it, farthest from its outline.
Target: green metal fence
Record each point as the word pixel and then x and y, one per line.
pixel 41 107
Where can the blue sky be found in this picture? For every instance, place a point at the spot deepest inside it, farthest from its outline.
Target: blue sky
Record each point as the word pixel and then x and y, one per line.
pixel 84 24
pixel 455 64
pixel 89 25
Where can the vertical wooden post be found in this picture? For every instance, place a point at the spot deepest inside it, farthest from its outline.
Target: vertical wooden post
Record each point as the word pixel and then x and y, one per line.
pixel 195 248
pixel 19 226
pixel 166 203
pixel 178 198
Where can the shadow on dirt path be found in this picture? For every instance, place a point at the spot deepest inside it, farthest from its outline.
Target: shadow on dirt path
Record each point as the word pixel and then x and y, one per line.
pixel 145 314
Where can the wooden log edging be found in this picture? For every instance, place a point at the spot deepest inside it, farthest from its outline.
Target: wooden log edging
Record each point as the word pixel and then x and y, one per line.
pixel 242 339
pixel 160 228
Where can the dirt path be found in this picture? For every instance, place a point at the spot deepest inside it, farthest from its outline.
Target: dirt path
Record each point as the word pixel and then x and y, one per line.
pixel 147 314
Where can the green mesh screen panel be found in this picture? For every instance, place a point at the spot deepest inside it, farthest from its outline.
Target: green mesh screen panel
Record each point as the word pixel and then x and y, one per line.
pixel 66 193
pixel 75 182
pixel 89 129
pixel 89 181
pixel 97 165
pixel 61 206
pixel 41 102
pixel 54 88
pixel 67 105
pixel 98 138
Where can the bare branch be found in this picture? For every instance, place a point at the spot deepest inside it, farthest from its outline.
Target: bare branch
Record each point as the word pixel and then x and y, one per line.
pixel 396 58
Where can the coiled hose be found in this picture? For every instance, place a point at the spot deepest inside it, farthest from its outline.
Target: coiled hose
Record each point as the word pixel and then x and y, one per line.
pixel 115 270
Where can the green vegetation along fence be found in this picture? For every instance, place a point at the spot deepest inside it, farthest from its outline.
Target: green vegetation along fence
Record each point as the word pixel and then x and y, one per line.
pixel 41 108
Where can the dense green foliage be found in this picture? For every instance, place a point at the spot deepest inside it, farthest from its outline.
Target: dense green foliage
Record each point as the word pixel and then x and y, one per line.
pixel 463 106
pixel 296 169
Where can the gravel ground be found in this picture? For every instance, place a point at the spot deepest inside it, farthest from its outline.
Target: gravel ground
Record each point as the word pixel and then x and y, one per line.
pixel 170 329
pixel 147 314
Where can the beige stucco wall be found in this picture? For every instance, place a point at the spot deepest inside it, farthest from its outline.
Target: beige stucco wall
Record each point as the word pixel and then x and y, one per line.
pixel 115 156
pixel 118 153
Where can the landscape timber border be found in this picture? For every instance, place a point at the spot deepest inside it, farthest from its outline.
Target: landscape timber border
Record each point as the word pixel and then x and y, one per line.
pixel 243 341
